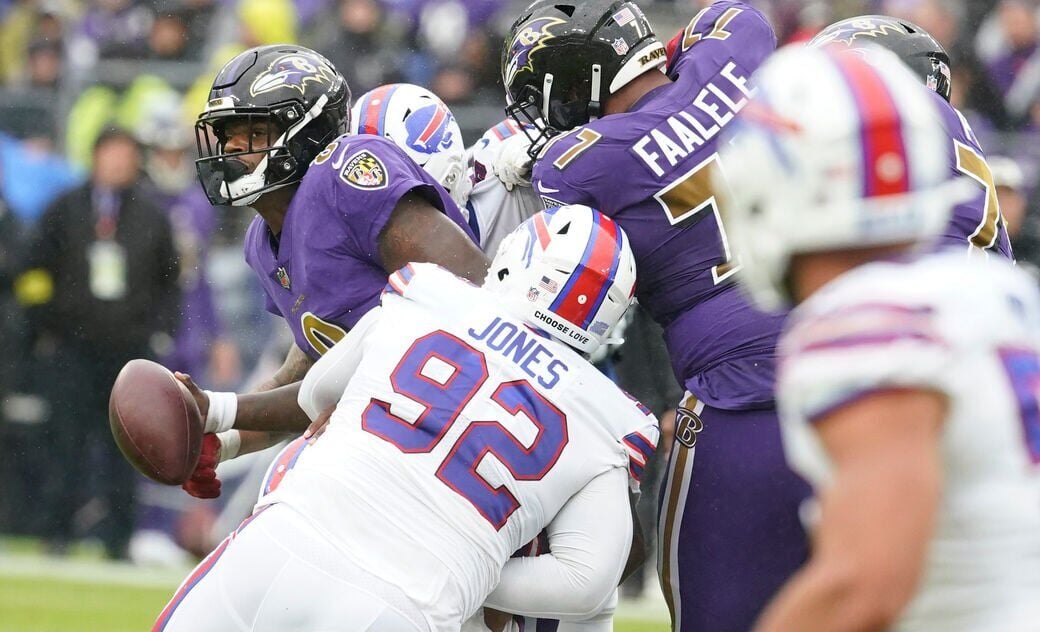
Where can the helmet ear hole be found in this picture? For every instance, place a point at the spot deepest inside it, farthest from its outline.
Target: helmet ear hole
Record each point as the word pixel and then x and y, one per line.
pixel 566 228
pixel 566 8
pixel 503 273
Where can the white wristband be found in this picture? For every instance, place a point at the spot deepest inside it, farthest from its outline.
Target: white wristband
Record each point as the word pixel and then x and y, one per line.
pixel 223 407
pixel 230 444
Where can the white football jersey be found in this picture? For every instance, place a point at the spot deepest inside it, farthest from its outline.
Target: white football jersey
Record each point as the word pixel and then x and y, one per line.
pixel 969 328
pixel 459 437
pixel 493 211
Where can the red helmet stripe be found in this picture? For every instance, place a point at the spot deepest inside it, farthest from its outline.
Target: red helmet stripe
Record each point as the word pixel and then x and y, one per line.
pixel 591 276
pixel 886 170
pixel 375 104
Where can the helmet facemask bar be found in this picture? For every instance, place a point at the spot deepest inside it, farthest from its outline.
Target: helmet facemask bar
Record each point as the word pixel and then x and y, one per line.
pixel 528 111
pixel 542 117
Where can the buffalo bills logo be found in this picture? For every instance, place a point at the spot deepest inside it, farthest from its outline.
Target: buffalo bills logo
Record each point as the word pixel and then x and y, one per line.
pixel 429 128
pixel 531 38
pixel 292 71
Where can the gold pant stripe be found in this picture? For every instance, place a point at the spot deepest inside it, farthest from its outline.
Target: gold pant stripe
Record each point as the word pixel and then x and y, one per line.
pixel 677 486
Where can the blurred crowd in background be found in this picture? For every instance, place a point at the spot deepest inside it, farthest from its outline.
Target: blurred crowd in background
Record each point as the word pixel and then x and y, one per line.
pixel 97 104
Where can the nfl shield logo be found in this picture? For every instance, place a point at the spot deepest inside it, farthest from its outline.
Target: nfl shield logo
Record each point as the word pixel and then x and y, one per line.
pixel 532 294
pixel 283 277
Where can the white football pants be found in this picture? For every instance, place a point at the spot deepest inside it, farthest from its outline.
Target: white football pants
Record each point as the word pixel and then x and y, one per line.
pixel 276 574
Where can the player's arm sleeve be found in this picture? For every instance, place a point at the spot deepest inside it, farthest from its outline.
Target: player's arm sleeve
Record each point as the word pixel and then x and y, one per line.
pixel 561 175
pixel 588 542
pixel 832 359
pixel 371 208
pixel 726 30
pixel 325 382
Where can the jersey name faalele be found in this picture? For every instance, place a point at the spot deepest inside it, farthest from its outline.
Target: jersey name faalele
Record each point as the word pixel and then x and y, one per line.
pixel 650 169
pixel 323 272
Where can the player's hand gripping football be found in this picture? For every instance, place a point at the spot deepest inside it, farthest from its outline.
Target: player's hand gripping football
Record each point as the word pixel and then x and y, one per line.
pixel 512 164
pixel 203 482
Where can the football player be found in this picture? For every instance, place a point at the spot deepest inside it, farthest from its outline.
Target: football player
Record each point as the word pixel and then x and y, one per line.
pixel 641 145
pixel 976 223
pixel 335 214
pixel 466 421
pixel 907 381
pixel 424 127
pixel 641 148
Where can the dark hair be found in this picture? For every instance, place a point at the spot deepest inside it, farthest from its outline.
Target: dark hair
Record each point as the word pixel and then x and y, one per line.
pixel 112 134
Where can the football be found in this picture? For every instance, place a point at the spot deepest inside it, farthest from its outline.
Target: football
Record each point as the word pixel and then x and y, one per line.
pixel 155 422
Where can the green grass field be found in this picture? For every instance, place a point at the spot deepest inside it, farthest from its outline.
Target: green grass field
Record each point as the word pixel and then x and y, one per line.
pixel 40 594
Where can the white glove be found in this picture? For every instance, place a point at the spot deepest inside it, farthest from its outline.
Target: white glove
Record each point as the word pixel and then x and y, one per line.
pixel 512 165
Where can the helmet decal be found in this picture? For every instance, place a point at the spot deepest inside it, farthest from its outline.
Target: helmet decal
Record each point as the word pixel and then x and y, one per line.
pixel 865 27
pixel 528 40
pixel 428 128
pixel 293 71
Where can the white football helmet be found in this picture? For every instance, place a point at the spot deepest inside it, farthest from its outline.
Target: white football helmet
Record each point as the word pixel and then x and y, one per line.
pixel 837 150
pixel 422 125
pixel 569 271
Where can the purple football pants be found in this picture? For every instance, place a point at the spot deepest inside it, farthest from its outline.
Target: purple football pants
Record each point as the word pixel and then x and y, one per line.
pixel 729 534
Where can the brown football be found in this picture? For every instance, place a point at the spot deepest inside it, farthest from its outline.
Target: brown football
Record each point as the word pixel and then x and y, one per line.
pixel 155 422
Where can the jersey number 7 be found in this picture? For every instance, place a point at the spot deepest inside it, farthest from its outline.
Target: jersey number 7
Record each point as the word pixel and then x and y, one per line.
pixel 443 400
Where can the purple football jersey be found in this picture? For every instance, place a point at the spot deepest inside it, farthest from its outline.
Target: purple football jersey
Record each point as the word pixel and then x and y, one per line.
pixel 650 170
pixel 977 221
pixel 323 272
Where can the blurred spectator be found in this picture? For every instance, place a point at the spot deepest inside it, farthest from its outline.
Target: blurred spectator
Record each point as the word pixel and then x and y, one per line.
pixel 101 281
pixel 168 38
pixel 114 29
pixel 27 21
pixel 364 44
pixel 200 348
pixel 940 18
pixel 44 64
pixel 31 175
pixel 1023 229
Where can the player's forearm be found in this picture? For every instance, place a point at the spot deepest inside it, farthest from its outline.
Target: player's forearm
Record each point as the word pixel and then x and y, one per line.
pixel 253 441
pixel 828 596
pixel 276 410
pixel 589 538
pixel 296 365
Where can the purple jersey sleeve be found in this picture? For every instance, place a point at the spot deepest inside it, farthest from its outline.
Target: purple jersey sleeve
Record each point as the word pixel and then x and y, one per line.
pixel 724 31
pixel 373 175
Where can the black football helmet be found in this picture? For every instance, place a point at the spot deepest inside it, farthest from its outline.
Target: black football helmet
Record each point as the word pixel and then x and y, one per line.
pixel 563 58
pixel 303 99
pixel 912 44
